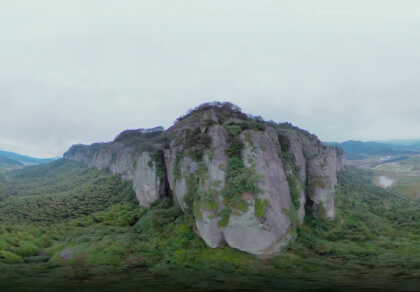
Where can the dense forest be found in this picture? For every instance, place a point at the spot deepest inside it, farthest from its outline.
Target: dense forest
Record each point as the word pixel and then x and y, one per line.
pixel 64 226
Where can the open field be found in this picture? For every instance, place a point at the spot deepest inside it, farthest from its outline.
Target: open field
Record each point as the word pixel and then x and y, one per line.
pixel 395 166
pixel 408 186
pixel 9 168
pixel 401 176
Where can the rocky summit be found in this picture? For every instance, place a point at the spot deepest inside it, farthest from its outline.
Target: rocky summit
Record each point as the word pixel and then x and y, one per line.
pixel 247 182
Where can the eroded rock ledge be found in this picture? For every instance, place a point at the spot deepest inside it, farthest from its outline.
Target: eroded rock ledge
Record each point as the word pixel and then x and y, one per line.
pixel 247 182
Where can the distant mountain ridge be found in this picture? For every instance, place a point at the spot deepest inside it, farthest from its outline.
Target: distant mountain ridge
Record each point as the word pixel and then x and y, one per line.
pixel 4 161
pixel 12 159
pixel 358 150
pixel 413 144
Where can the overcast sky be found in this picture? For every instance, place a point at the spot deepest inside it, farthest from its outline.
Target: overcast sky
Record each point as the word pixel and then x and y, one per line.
pixel 81 71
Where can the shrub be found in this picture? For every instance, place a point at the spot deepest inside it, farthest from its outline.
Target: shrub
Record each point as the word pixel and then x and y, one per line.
pixel 224 217
pixel 161 213
pixel 177 165
pixel 320 211
pixel 255 125
pixel 294 190
pixel 313 183
pixel 11 257
pixel 233 130
pixel 260 207
pixel 158 161
pixel 235 147
pixel 192 185
pixel 284 142
pixel 27 248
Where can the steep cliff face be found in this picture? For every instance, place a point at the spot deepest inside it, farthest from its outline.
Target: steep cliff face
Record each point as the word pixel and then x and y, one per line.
pixel 130 161
pixel 248 183
pixel 318 166
pixel 267 224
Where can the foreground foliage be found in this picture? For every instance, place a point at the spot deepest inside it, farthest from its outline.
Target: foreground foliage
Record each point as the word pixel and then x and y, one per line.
pixel 66 227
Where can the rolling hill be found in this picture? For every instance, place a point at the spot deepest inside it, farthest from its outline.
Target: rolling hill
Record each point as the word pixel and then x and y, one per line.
pixel 4 161
pixel 11 160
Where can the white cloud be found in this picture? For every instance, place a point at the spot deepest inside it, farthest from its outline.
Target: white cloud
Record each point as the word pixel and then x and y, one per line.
pixel 82 71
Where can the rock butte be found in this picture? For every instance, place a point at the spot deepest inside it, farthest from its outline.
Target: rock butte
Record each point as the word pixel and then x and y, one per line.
pixel 291 170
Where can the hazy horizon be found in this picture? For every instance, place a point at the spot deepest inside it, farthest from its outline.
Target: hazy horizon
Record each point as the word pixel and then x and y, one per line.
pixel 84 71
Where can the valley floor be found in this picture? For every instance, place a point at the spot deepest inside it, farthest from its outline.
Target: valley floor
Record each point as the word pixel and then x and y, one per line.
pixel 401 174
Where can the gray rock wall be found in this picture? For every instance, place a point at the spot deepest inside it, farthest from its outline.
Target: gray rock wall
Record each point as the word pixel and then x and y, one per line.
pixel 270 231
pixel 212 183
pixel 318 167
pixel 147 186
pixel 124 162
pixel 292 167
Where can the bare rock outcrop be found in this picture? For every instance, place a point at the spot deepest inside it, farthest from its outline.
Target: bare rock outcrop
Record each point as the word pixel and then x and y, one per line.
pixel 318 165
pixel 125 161
pixel 146 183
pixel 266 226
pixel 212 183
pixel 247 182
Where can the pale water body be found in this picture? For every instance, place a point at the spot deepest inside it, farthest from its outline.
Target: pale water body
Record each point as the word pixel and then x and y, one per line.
pixel 385 182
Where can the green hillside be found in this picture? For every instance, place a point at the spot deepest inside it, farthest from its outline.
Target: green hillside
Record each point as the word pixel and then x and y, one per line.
pixel 64 227
pixel 4 161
